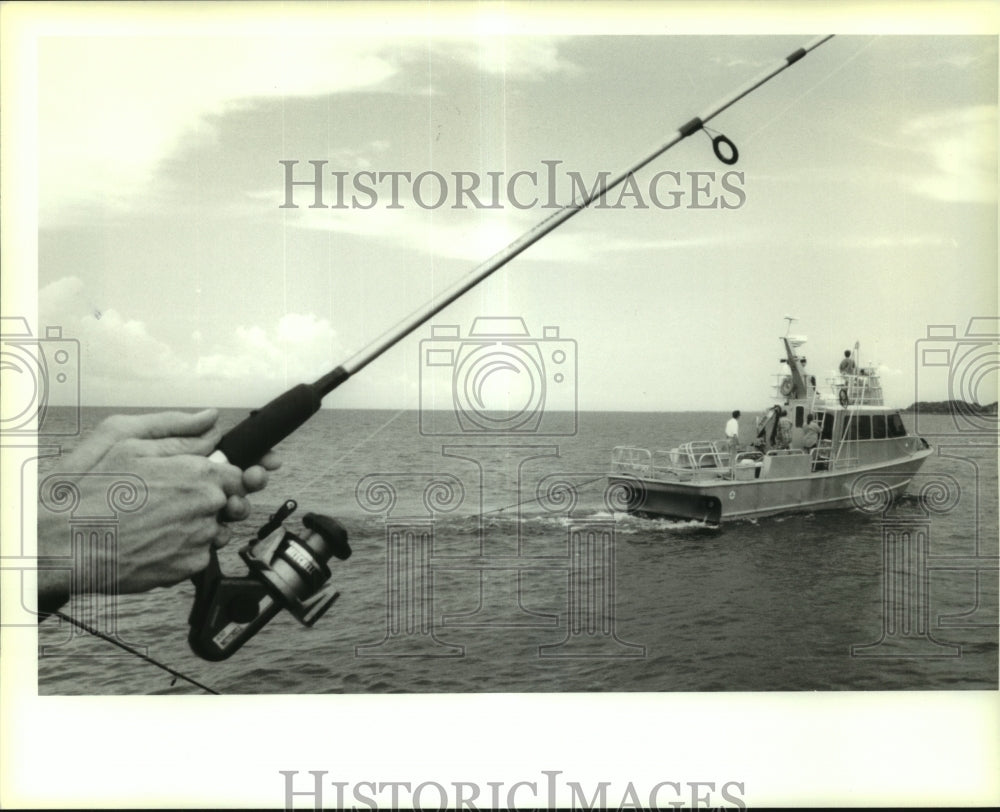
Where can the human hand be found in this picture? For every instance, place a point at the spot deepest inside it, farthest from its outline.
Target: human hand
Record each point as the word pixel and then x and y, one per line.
pixel 168 538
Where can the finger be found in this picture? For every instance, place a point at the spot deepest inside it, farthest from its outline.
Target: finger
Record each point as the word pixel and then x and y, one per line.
pixel 156 425
pixel 222 537
pixel 237 509
pixel 201 446
pixel 271 461
pixel 228 477
pixel 255 478
pixel 111 432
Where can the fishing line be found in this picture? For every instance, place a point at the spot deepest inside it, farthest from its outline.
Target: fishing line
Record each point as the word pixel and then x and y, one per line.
pixel 821 82
pixel 350 451
pixel 538 498
pixel 289 412
pixel 98 633
pixel 246 443
pixel 360 360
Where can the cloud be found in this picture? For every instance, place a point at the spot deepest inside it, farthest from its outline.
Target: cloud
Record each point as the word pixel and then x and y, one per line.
pixel 960 151
pixel 298 348
pixel 477 236
pixel 874 241
pixel 887 371
pixel 423 214
pixel 111 344
pixel 470 235
pixel 111 108
pixel 522 57
pixel 738 62
pixel 123 362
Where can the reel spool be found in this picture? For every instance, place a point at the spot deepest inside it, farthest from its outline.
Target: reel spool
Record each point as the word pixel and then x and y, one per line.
pixel 285 571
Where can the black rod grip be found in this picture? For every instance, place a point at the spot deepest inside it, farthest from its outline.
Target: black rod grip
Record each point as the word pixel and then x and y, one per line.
pixel 244 445
pixel 247 442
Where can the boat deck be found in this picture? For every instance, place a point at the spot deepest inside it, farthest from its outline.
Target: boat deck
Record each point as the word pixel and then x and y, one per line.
pixel 707 460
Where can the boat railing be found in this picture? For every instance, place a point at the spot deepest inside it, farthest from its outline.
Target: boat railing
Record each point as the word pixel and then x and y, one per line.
pixel 844 462
pixel 699 457
pixel 633 460
pixel 846 456
pixel 701 454
pixel 640 462
pixel 821 457
pixel 706 456
pixel 863 389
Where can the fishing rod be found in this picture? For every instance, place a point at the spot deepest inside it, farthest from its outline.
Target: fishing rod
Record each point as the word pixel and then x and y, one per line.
pixel 293 570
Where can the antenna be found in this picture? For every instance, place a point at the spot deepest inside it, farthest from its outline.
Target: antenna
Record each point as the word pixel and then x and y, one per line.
pixel 790 319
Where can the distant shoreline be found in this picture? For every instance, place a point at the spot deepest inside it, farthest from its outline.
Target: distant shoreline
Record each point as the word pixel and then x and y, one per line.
pixel 951 407
pixel 924 406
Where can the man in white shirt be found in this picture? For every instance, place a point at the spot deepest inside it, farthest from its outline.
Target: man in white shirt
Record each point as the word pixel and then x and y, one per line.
pixel 733 434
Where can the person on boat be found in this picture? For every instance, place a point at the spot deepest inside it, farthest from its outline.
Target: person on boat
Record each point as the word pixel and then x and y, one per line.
pixel 847 365
pixel 187 499
pixel 733 433
pixel 812 432
pixel 766 426
pixel 733 426
pixel 784 433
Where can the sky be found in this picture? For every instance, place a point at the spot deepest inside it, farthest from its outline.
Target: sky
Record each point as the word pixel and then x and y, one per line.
pixel 865 206
pixel 142 199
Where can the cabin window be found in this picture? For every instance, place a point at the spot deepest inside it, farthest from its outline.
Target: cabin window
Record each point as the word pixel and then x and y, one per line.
pixel 850 427
pixel 799 414
pixel 878 427
pixel 827 426
pixel 896 427
pixel 864 426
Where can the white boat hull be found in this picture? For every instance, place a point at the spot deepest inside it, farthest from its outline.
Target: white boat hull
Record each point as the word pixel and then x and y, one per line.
pixel 717 500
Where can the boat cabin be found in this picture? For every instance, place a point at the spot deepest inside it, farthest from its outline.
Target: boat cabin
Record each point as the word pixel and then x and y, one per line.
pixel 807 452
pixel 810 429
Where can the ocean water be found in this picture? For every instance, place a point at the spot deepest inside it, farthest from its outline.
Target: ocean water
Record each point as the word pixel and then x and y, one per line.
pixel 522 576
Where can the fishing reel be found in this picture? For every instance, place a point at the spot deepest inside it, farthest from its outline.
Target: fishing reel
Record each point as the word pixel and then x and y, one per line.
pixel 285 571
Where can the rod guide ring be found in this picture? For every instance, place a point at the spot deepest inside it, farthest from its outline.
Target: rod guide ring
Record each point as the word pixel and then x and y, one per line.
pixel 734 154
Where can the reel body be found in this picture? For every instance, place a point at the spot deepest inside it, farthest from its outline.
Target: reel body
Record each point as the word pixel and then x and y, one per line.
pixel 285 571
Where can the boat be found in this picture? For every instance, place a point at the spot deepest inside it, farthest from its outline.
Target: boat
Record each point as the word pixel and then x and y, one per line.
pixel 811 450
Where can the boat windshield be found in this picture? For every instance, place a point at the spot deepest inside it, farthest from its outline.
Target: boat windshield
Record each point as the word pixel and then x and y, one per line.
pixel 896 427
